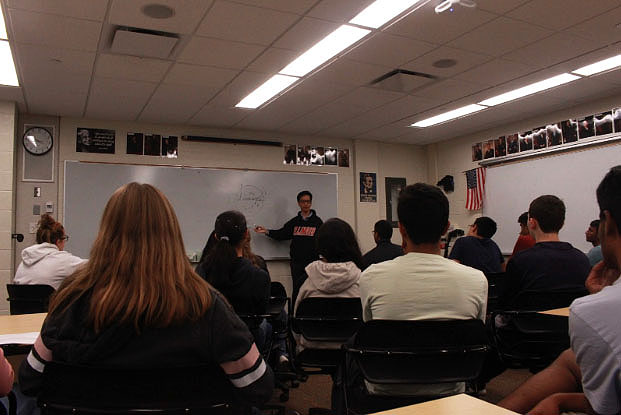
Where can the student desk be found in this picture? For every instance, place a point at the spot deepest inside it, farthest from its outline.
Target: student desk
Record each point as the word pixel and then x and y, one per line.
pixel 459 404
pixel 22 323
pixel 563 312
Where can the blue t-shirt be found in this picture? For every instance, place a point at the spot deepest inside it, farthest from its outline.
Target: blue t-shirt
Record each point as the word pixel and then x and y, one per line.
pixel 595 255
pixel 480 253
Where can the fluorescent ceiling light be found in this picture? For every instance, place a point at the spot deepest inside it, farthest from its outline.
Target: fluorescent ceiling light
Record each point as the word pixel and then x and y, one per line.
pixel 324 50
pixel 271 87
pixel 459 112
pixel 3 34
pixel 530 89
pixel 600 66
pixel 8 75
pixel 382 11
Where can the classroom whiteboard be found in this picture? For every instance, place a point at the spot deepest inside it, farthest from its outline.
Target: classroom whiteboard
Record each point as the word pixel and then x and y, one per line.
pixel 198 196
pixel 572 176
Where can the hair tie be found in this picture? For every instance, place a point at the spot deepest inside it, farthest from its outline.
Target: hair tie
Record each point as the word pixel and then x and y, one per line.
pixel 224 238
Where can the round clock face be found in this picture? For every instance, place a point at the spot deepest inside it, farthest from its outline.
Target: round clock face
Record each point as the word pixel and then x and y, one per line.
pixel 37 141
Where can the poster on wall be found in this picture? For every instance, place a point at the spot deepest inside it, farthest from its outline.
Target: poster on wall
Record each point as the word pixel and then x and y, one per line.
pixel 330 153
pixel 94 140
pixel 394 186
pixel 603 123
pixel 134 143
pixel 526 141
pixel 368 187
pixel 317 156
pixel 570 131
pixel 554 134
pixel 152 144
pixel 477 152
pixel 343 157
pixel 513 144
pixel 539 138
pixel 500 146
pixel 488 149
pixel 616 115
pixel 290 154
pixel 304 155
pixel 586 127
pixel 170 146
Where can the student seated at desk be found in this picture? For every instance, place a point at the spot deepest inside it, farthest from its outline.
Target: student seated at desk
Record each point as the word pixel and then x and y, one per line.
pixel 246 287
pixel 6 375
pixel 47 262
pixel 477 249
pixel 137 303
pixel 336 274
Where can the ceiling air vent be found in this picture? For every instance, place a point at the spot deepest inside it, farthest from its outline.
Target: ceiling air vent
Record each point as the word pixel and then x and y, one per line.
pixel 402 80
pixel 143 43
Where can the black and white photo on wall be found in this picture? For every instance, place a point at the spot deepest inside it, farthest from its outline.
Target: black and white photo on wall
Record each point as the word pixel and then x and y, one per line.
pixel 586 127
pixel 290 154
pixel 94 140
pixel 152 144
pixel 488 149
pixel 603 123
pixel 570 130
pixel 477 152
pixel 500 146
pixel 616 115
pixel 343 157
pixel 304 155
pixel 170 145
pixel 554 135
pixel 513 144
pixel 135 143
pixel 317 156
pixel 526 141
pixel 394 186
pixel 368 187
pixel 539 138
pixel 330 153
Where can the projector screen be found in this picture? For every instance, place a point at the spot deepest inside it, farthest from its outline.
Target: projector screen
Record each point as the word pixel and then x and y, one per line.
pixel 572 176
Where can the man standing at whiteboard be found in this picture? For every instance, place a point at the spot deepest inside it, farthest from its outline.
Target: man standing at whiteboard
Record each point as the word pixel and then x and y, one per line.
pixel 301 230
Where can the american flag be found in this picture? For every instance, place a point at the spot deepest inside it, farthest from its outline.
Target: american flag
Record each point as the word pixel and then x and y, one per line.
pixel 475 184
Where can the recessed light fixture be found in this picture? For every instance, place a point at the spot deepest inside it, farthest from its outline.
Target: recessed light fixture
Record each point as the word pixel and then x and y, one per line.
pixel 158 11
pixel 8 76
pixel 530 89
pixel 601 66
pixel 381 12
pixel 324 50
pixel 3 34
pixel 270 88
pixel 456 113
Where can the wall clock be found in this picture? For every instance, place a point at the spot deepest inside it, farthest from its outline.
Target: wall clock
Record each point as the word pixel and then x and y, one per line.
pixel 37 141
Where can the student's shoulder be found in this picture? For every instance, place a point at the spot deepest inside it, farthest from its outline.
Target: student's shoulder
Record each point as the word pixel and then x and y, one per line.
pixel 464 271
pixel 381 269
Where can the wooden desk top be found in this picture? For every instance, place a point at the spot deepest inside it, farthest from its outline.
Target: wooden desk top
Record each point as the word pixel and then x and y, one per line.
pixel 459 404
pixel 23 323
pixel 564 312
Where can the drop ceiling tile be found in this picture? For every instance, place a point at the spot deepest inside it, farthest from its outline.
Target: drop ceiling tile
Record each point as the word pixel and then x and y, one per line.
pixel 606 24
pixel 213 115
pixel 589 58
pixel 349 72
pixel 464 61
pixel 499 7
pixel 321 118
pixel 60 32
pixel 552 50
pixel 537 104
pixel 368 98
pixel 305 34
pixel 586 89
pixel 74 83
pixel 238 89
pixel 219 53
pixel 495 72
pixel 207 76
pixel 56 102
pixel 425 24
pixel 131 68
pixel 385 132
pixel 12 93
pixel 341 12
pixel 241 23
pixel 47 64
pixel 447 90
pixel 297 6
pixel 187 16
pixel 176 103
pixel 560 14
pixel 272 60
pixel 80 9
pixel 388 50
pixel 118 99
pixel 500 36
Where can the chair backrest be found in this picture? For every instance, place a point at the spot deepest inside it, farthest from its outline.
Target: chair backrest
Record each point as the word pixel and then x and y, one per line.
pixel 420 352
pixel 494 284
pixel 29 299
pixel 95 390
pixel 546 300
pixel 278 299
pixel 328 319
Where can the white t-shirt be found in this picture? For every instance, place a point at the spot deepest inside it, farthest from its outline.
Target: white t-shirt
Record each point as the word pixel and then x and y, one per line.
pixel 420 286
pixel 46 264
pixel 595 335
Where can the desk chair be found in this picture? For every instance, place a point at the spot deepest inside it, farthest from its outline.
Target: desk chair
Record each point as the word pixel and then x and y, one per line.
pixel 29 299
pixel 494 283
pixel 76 390
pixel 405 352
pixel 319 319
pixel 525 338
